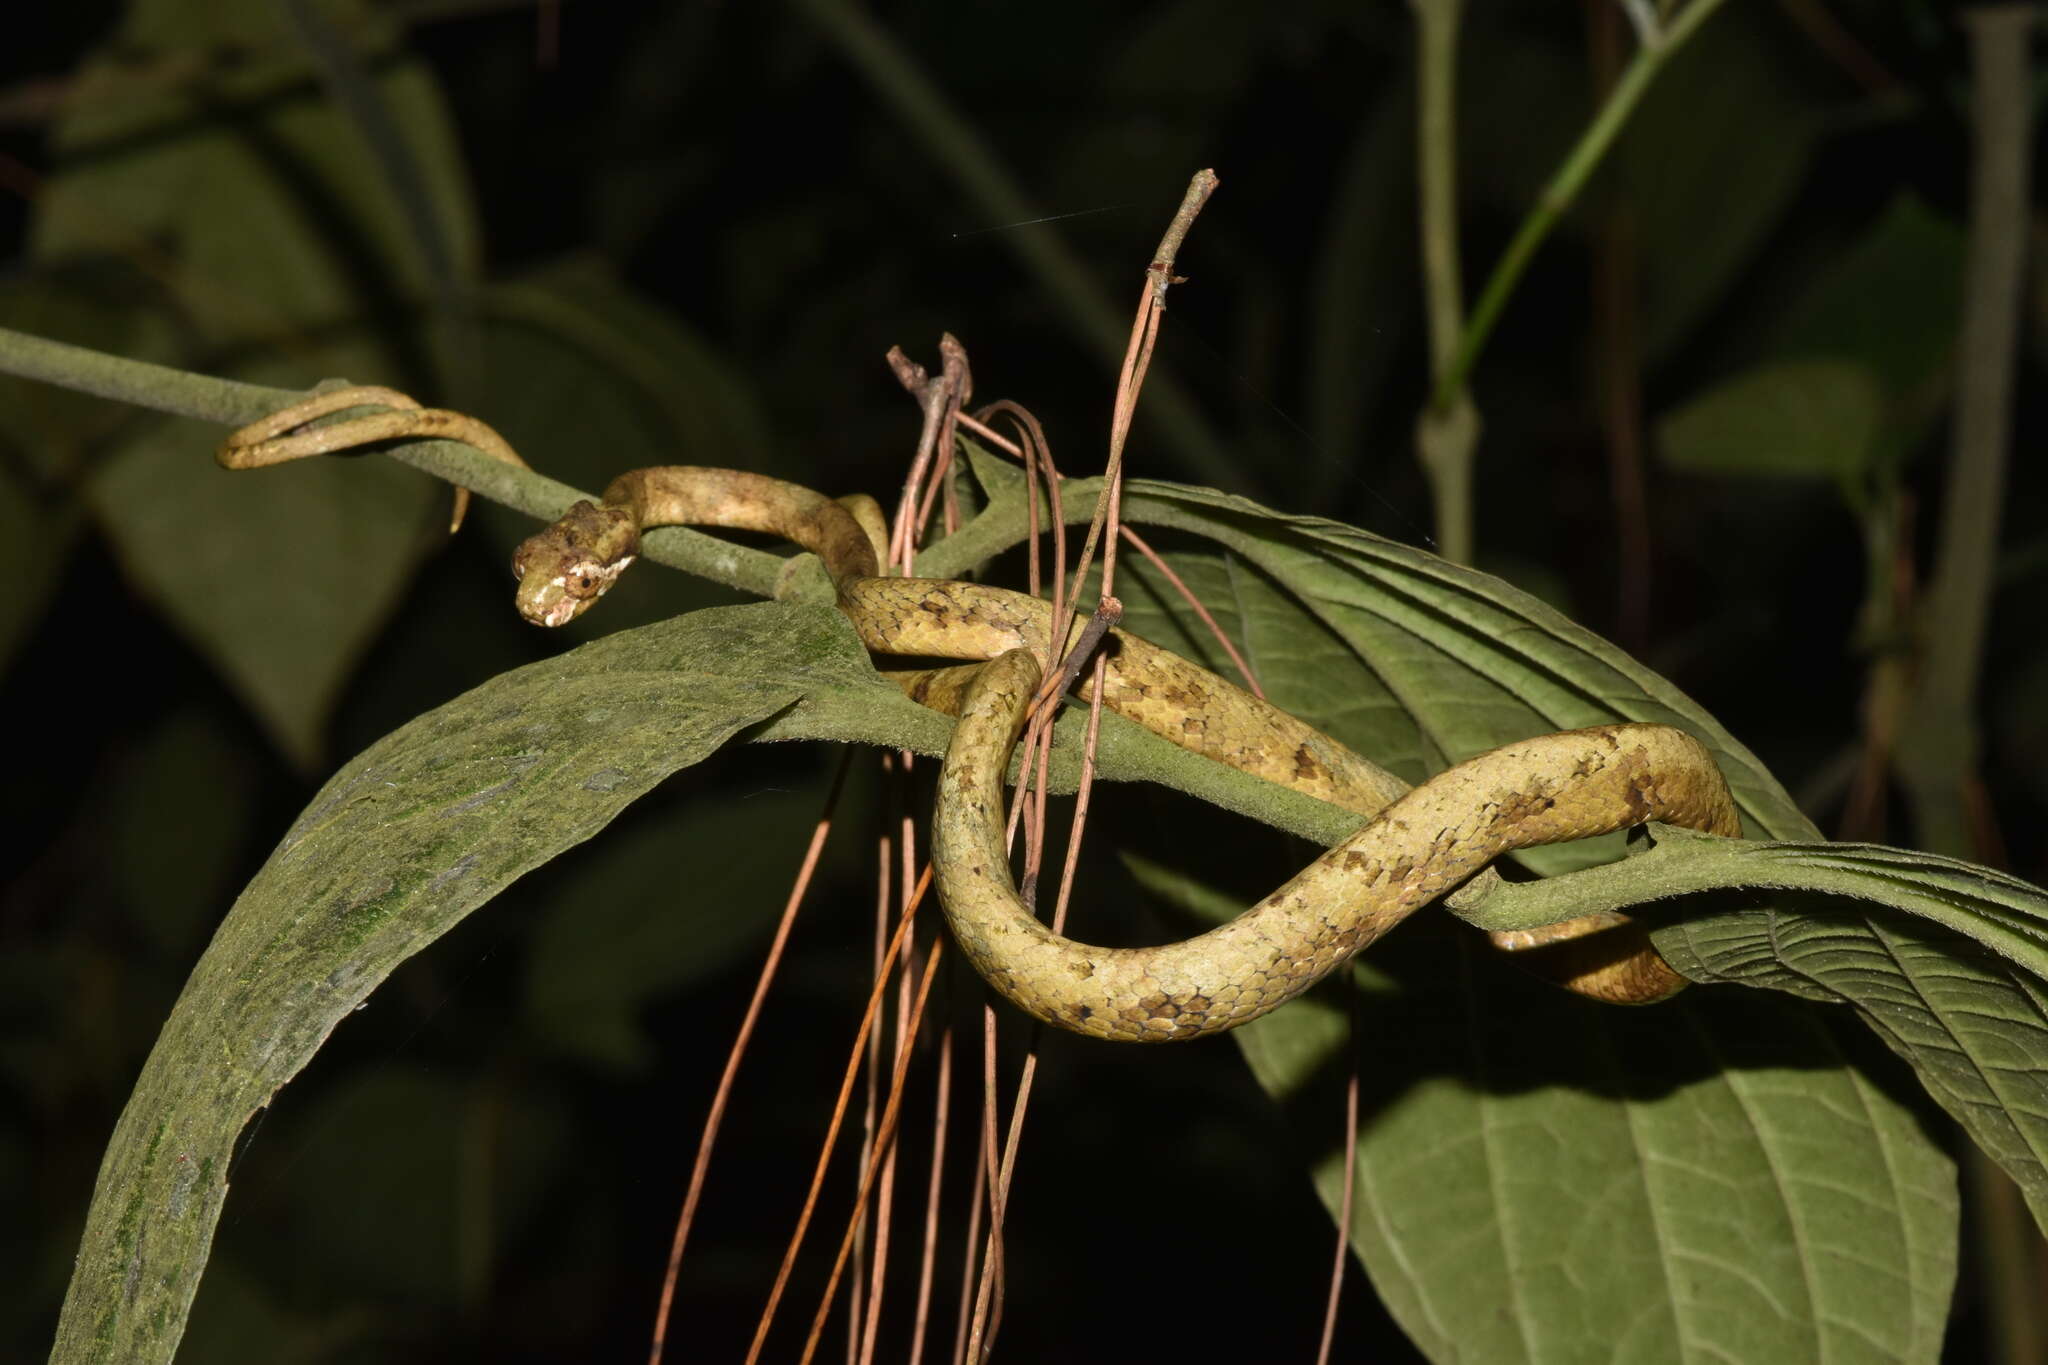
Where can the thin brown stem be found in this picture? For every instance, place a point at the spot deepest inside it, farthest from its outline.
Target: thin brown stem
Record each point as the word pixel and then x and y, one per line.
pixel 886 1145
pixel 970 1252
pixel 928 1263
pixel 1344 1199
pixel 1187 595
pixel 976 1324
pixel 702 1166
pixel 1617 376
pixel 839 1107
pixel 1130 537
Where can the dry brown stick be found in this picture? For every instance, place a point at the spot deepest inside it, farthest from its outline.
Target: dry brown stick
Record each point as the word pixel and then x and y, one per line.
pixel 984 1166
pixel 861 1342
pixel 702 1166
pixel 917 380
pixel 958 382
pixel 1144 332
pixel 886 1145
pixel 1344 1199
pixel 867 1022
pixel 928 1265
pixel 1195 604
pixel 939 398
pixel 1132 538
pixel 973 1324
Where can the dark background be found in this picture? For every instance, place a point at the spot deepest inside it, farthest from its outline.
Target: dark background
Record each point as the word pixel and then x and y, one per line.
pixel 486 1162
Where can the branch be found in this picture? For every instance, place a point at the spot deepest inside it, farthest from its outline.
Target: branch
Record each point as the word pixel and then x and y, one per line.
pixel 231 403
pixel 1558 195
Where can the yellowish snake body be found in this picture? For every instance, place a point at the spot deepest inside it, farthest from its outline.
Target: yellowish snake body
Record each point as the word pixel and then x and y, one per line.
pixel 1416 846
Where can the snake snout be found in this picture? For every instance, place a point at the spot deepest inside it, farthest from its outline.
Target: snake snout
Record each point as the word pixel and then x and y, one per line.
pixel 572 563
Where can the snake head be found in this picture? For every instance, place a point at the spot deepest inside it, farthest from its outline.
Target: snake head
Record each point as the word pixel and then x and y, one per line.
pixel 566 567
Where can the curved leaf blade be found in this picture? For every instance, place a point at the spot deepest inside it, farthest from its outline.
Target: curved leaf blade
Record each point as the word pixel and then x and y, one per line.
pixel 1743 1216
pixel 402 843
pixel 1955 981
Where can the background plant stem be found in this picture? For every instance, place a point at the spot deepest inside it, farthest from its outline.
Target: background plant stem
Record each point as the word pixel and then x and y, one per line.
pixel 232 403
pixel 1447 431
pixel 1938 744
pixel 1557 196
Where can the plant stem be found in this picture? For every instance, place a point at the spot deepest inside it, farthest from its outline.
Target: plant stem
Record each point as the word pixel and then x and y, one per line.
pixel 1939 743
pixel 1937 753
pixel 1446 434
pixel 1558 195
pixel 231 403
pixel 1436 148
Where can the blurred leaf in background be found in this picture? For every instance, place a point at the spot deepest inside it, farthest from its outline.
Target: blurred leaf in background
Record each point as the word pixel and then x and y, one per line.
pixel 687 234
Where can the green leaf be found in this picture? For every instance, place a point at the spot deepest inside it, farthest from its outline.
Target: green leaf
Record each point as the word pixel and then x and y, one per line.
pixel 1892 300
pixel 278 219
pixel 418 831
pixel 1669 1179
pixel 1707 1180
pixel 1810 418
pixel 1952 978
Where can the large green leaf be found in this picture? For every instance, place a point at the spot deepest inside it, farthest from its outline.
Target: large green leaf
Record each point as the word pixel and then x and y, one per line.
pixel 1959 989
pixel 1662 1179
pixel 1709 1180
pixel 414 834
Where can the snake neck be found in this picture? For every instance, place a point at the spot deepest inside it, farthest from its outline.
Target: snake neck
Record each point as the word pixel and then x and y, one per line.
pixel 563 569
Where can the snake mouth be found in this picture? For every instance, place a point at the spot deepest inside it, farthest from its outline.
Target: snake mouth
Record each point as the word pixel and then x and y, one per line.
pixel 554 594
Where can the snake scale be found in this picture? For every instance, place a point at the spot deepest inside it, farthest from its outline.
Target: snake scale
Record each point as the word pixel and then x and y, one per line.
pixel 1415 847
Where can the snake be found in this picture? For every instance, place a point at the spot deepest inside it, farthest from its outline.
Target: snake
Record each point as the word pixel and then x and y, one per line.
pixel 290 434
pixel 1415 846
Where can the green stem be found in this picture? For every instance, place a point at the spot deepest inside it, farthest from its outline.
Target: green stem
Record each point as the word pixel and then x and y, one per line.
pixel 231 403
pixel 1558 195
pixel 1436 148
pixel 1446 435
pixel 1937 754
